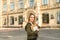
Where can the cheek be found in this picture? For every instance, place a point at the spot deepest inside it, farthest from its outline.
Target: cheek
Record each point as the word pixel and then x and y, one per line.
pixel 32 19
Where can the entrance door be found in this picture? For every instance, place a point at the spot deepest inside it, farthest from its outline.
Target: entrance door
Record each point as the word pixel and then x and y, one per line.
pixel 20 18
pixel 45 18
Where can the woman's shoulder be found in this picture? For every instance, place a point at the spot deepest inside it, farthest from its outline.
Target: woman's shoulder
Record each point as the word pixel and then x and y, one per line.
pixel 28 23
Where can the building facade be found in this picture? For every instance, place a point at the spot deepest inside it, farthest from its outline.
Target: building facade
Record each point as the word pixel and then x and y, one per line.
pixel 1 14
pixel 15 12
pixel 50 10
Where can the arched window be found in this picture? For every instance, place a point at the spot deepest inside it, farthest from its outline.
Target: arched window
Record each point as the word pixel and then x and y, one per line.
pixel 58 17
pixel 45 18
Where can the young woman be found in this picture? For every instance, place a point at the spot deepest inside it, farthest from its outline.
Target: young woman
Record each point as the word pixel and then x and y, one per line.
pixel 32 28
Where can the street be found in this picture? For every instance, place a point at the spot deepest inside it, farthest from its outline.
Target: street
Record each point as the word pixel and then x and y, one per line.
pixel 44 34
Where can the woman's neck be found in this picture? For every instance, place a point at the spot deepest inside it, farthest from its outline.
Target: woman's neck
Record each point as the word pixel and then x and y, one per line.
pixel 30 22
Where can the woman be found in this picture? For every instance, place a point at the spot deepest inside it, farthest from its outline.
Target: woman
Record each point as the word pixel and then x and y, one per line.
pixel 32 28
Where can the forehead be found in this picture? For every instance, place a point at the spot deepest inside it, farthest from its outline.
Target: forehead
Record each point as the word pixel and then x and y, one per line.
pixel 32 16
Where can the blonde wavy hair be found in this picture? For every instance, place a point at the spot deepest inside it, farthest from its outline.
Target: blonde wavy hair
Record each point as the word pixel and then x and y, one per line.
pixel 34 18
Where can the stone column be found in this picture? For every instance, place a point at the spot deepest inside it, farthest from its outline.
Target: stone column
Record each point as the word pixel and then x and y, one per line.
pixel 39 13
pixel 1 14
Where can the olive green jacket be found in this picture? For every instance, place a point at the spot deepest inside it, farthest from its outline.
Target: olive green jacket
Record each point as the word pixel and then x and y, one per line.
pixel 30 33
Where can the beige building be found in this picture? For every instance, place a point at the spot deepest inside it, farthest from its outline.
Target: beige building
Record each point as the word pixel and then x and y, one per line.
pixel 15 12
pixel 0 13
pixel 50 11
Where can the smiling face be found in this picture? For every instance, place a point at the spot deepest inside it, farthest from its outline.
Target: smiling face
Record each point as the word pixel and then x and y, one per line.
pixel 32 18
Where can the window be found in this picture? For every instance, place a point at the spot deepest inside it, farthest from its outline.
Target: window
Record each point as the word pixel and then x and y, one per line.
pixel 4 21
pixel 36 18
pixel 20 19
pixel 58 17
pixel 45 18
pixel 52 17
pixel 23 19
pixel 31 3
pixel 5 7
pixel 12 5
pixel 21 5
pixel 44 2
pixel 58 0
pixel 12 20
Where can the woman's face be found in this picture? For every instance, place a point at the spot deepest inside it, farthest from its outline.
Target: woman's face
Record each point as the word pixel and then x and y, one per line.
pixel 31 18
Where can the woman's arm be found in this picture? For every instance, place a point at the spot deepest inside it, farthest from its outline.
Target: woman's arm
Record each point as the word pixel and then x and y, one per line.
pixel 29 30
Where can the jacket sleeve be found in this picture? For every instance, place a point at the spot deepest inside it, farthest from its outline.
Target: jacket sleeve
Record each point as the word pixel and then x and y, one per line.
pixel 27 25
pixel 39 27
pixel 28 29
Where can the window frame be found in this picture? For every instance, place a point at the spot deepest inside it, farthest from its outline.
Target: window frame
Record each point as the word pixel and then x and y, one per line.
pixel 11 20
pixel 12 5
pixel 45 16
pixel 31 4
pixel 19 19
pixel 5 7
pixel 58 17
pixel 21 4
pixel 5 21
pixel 58 1
pixel 45 2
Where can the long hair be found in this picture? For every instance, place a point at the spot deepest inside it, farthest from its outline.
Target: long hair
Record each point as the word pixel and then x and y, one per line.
pixel 34 18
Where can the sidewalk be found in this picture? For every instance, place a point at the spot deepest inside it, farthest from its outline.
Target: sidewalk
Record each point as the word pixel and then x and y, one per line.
pixel 51 28
pixel 8 29
pixel 12 29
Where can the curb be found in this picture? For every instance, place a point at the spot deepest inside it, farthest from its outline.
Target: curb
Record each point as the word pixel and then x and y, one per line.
pixel 8 29
pixel 51 28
